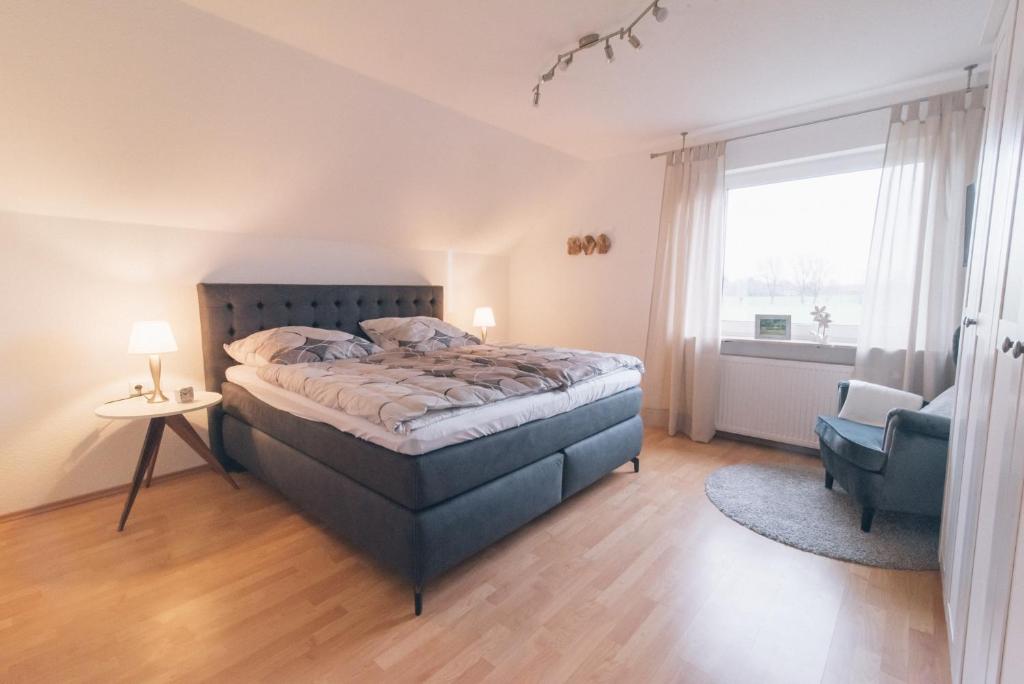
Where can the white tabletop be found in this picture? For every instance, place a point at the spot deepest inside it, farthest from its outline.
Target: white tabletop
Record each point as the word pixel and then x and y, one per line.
pixel 138 407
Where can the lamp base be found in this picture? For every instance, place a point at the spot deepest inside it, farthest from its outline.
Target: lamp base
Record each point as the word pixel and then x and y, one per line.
pixel 157 397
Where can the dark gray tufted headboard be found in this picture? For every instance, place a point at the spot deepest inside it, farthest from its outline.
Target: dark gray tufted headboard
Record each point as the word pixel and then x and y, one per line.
pixel 229 311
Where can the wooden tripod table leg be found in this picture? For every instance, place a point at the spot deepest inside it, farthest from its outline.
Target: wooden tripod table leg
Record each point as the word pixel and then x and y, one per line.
pixel 149 471
pixel 150 446
pixel 184 429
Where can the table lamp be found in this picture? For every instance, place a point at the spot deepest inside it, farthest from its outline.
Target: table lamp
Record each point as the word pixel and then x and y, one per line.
pixel 152 338
pixel 483 318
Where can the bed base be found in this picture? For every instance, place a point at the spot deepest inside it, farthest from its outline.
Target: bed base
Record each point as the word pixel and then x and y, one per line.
pixel 420 545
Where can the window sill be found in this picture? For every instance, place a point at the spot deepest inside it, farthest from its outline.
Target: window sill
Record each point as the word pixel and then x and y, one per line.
pixel 790 350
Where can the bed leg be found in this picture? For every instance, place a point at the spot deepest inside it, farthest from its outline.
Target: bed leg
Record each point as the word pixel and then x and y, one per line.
pixel 417 598
pixel 636 464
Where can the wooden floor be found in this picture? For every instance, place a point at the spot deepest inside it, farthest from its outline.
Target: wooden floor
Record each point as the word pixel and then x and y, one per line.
pixel 637 579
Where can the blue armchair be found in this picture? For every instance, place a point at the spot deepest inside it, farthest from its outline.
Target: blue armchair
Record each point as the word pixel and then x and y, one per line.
pixel 901 467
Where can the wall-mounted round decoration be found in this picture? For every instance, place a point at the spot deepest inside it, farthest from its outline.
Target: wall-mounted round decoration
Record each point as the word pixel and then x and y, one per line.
pixel 604 243
pixel 574 246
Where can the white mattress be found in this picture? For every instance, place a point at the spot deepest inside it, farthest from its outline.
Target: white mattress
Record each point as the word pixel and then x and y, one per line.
pixel 479 422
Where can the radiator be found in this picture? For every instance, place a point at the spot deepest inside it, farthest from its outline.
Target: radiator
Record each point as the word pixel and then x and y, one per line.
pixel 776 400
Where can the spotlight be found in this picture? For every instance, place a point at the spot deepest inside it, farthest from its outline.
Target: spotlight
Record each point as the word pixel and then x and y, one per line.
pixel 564 60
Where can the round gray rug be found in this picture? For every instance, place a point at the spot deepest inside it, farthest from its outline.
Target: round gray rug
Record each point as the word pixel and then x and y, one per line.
pixel 792 506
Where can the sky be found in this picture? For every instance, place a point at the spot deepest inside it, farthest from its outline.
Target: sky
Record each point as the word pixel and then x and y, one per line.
pixel 829 216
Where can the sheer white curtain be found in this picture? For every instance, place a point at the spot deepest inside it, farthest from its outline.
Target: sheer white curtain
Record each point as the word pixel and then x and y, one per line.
pixel 915 280
pixel 681 383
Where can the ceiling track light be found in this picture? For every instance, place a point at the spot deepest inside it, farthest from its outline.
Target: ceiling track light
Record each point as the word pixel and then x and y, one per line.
pixel 564 60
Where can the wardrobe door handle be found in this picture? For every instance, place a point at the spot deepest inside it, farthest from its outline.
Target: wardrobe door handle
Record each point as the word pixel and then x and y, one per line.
pixel 1007 345
pixel 968 321
pixel 1018 349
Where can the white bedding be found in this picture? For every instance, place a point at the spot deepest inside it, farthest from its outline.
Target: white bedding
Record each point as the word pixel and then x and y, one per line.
pixel 478 422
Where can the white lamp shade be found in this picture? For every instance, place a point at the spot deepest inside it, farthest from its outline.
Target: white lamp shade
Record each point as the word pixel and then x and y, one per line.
pixel 151 337
pixel 483 317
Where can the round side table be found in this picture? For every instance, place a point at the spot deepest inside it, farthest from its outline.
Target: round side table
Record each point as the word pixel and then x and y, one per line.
pixel 170 414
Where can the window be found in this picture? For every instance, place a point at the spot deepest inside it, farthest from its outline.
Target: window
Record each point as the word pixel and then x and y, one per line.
pixel 797 244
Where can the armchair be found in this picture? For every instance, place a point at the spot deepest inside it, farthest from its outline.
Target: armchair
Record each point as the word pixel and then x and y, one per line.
pixel 901 467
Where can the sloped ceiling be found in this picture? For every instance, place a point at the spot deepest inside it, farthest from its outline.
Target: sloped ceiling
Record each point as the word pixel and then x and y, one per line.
pixel 711 62
pixel 156 113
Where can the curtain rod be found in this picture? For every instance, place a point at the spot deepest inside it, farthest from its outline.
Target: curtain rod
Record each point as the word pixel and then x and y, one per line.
pixel 655 155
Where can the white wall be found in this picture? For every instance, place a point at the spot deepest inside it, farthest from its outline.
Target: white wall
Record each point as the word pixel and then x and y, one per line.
pixel 599 301
pixel 478 280
pixel 70 290
pixel 854 132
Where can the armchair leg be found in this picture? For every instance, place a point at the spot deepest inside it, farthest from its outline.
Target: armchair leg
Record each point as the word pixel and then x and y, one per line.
pixel 636 465
pixel 865 519
pixel 828 480
pixel 417 599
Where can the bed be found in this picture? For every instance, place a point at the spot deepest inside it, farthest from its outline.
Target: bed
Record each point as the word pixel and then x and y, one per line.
pixel 419 514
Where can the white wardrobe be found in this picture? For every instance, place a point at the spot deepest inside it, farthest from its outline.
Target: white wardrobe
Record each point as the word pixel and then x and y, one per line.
pixel 982 552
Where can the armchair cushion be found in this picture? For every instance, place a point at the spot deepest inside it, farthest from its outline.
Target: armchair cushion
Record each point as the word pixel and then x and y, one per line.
pixel 861 445
pixel 942 405
pixel 869 403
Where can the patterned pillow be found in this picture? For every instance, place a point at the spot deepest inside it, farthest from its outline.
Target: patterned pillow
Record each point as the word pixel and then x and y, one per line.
pixel 416 333
pixel 298 344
